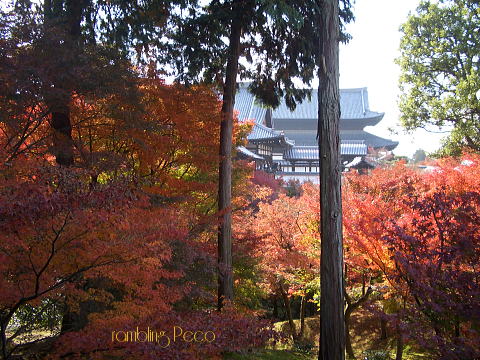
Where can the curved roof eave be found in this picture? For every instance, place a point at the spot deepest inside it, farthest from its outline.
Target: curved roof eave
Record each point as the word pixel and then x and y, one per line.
pixel 249 153
pixel 369 115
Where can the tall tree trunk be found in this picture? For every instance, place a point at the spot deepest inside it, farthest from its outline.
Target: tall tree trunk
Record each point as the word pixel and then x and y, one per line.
pixel 62 132
pixel 225 276
pixel 64 17
pixel 332 324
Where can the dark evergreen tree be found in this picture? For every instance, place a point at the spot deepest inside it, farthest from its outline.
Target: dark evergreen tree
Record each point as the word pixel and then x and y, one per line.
pixel 278 42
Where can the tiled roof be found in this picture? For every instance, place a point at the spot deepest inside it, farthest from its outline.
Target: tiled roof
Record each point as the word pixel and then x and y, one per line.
pixel 247 107
pixel 355 147
pixel 260 131
pixel 353 105
pixel 369 139
pixel 310 139
pixel 248 153
pixel 311 152
pixel 302 153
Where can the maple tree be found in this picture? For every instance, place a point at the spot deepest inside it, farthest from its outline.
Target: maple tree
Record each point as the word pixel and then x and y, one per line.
pixel 68 239
pixel 287 246
pixel 58 232
pixel 144 179
pixel 166 138
pixel 136 163
pixel 421 232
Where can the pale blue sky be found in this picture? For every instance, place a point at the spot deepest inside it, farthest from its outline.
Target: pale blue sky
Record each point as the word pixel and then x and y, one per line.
pixel 368 61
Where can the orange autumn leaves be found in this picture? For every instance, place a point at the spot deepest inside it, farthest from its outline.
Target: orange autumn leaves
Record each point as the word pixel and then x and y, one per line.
pixel 169 138
pixel 289 239
pixel 141 175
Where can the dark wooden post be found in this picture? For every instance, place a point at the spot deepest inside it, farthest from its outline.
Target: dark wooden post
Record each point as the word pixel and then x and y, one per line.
pixel 332 325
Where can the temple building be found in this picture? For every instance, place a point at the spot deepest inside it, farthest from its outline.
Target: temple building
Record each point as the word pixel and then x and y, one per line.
pixel 284 142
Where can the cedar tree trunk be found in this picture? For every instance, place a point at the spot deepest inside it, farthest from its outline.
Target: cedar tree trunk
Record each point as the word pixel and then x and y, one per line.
pixel 62 133
pixel 332 324
pixel 225 276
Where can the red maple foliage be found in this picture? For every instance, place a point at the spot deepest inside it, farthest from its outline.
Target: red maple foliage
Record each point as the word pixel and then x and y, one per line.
pixel 422 232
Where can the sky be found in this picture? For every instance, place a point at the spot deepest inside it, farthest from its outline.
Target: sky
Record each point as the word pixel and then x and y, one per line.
pixel 368 61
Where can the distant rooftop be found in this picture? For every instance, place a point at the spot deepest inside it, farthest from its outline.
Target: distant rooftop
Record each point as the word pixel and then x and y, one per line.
pixel 260 131
pixel 357 148
pixel 353 105
pixel 299 127
pixel 310 139
pixel 247 106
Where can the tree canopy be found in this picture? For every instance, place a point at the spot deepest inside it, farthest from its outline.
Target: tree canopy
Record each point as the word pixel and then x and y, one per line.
pixel 121 233
pixel 440 64
pixel 279 43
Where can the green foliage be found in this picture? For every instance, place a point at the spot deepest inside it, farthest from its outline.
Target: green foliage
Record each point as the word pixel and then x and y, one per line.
pixel 293 188
pixel 419 156
pixel 440 75
pixel 279 44
pixel 133 27
pixel 45 316
pixel 248 292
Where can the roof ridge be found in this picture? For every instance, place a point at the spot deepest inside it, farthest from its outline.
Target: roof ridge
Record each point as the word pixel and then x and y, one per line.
pixel 245 84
